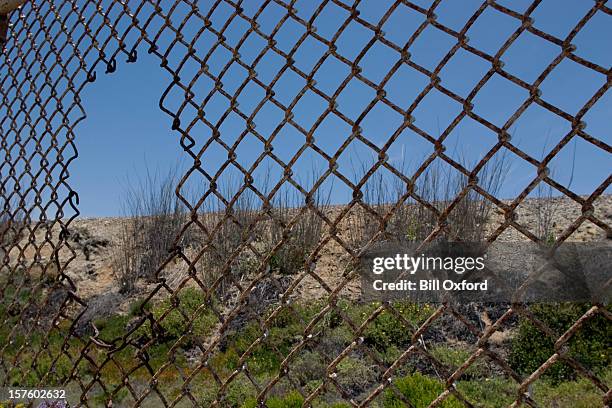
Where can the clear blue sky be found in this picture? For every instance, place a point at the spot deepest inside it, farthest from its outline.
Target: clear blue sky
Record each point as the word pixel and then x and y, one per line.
pixel 125 130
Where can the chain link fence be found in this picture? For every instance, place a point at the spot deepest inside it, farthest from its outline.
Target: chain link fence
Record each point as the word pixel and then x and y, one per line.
pixel 53 50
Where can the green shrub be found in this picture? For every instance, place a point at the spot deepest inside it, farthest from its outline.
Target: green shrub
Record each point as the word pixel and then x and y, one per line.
pixel 309 366
pixel 292 400
pixel 104 399
pixel 490 392
pixel 420 390
pixel 454 358
pixel 355 376
pixel 243 338
pixel 241 393
pixel 590 345
pixel 284 332
pixel 581 393
pixel 111 327
pixel 387 330
pixel 173 325
pixel 135 307
pixel 263 358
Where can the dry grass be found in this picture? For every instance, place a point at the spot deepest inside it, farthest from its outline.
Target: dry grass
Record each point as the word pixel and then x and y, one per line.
pixel 227 233
pixel 12 224
pixel 154 220
pixel 299 226
pixel 413 221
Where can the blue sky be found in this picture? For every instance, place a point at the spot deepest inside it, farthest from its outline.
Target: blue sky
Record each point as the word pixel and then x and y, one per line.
pixel 126 132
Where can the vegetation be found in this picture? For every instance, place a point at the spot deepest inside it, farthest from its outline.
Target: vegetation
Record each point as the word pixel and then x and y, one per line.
pixel 154 219
pixel 187 321
pixel 11 226
pixel 410 220
pixel 175 326
pixel 166 336
pixel 300 228
pixel 590 345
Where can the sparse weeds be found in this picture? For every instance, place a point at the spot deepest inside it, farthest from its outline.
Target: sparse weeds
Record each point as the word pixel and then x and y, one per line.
pixel 298 226
pixel 155 218
pixel 408 219
pixel 545 207
pixel 11 226
pixel 228 232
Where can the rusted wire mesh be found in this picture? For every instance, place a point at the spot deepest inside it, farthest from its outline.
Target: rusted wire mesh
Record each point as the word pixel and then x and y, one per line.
pixel 56 49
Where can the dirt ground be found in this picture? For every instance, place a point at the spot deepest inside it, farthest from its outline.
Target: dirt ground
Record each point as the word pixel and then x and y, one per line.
pixel 92 272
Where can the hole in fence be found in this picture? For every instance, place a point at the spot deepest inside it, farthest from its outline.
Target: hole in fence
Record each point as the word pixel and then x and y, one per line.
pixel 124 135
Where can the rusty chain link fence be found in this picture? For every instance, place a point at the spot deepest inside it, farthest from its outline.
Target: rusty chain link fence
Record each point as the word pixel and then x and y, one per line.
pixel 55 49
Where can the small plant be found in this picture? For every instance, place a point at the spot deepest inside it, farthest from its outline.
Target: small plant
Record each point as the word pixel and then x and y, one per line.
pixel 104 398
pixel 589 345
pixel 183 314
pixel 299 239
pixel 420 390
pixel 544 210
pixel 454 357
pixel 11 227
pixel 112 327
pixel 545 204
pixel 309 366
pixel 411 221
pixel 387 331
pixel 229 228
pixel 355 376
pixel 292 400
pixel 86 241
pixel 153 225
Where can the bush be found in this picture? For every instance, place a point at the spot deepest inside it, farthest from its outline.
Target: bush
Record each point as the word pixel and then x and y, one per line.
pixel 420 390
pixel 355 376
pixel 490 392
pixel 590 345
pixel 581 393
pixel 154 220
pixel 301 238
pixel 411 221
pixel 240 392
pixel 454 357
pixel 388 331
pixel 171 324
pixel 112 327
pixel 86 242
pixel 12 225
pixel 223 236
pixel 309 366
pixel 283 333
pixel 502 392
pixel 292 400
pixel 104 398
